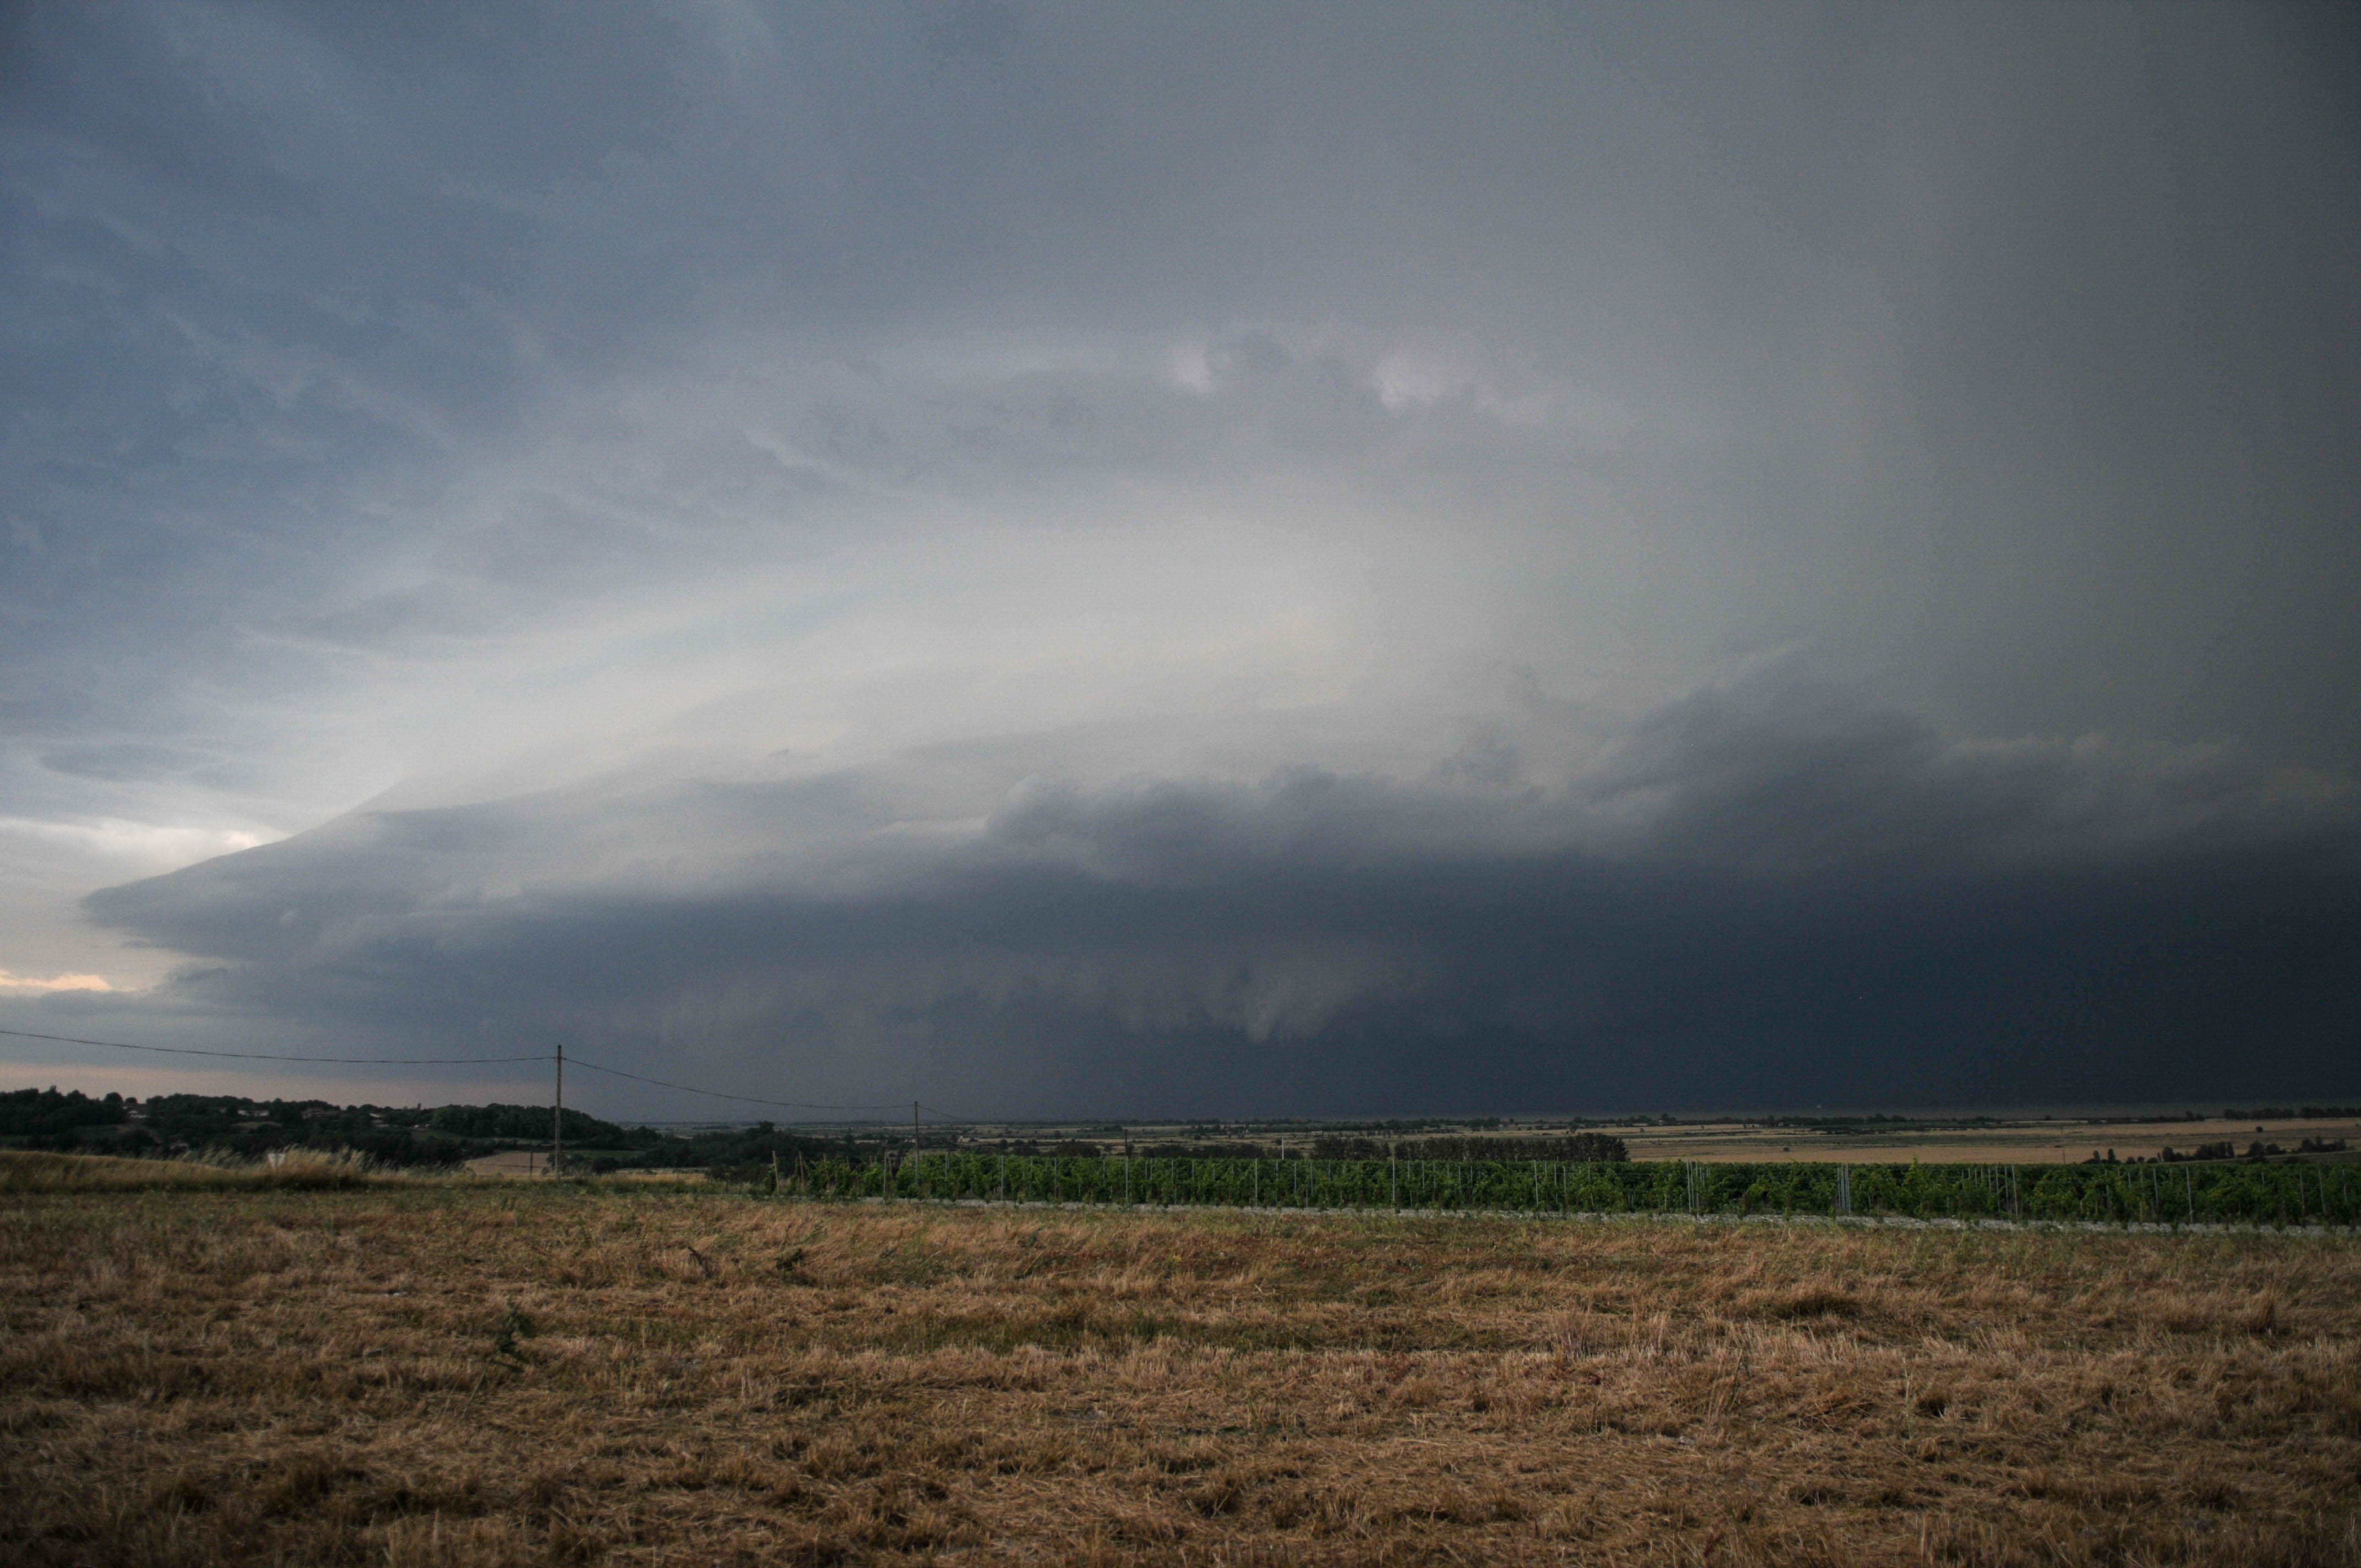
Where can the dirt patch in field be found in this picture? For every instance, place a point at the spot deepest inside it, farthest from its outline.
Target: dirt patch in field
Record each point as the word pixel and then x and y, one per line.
pixel 512 1162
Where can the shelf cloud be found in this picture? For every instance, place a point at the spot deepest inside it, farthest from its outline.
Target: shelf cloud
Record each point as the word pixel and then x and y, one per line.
pixel 1712 872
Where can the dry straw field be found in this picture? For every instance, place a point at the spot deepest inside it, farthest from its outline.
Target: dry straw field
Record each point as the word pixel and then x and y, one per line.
pixel 488 1372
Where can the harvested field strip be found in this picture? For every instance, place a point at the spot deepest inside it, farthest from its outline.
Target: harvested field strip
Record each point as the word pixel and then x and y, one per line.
pixel 489 1373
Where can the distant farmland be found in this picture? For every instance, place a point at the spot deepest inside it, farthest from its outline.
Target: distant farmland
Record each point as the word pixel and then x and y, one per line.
pixel 437 1371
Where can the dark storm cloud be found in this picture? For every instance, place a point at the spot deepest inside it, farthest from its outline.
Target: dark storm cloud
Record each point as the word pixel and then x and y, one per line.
pixel 1769 890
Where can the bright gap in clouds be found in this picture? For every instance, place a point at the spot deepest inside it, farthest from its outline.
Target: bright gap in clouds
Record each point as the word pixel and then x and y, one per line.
pixel 39 983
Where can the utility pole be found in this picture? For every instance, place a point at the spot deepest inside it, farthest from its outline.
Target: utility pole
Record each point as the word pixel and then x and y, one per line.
pixel 557 1116
pixel 913 1131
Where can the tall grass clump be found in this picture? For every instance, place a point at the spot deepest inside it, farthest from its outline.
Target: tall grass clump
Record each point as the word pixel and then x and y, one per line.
pixel 25 1170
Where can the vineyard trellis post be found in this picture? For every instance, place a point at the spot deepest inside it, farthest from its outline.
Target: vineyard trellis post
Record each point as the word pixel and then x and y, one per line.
pixel 557 1116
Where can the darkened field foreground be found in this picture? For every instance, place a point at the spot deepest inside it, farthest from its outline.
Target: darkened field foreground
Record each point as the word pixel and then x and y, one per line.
pixel 502 1372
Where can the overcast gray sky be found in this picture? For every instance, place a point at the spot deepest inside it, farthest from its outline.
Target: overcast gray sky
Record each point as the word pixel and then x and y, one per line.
pixel 1215 560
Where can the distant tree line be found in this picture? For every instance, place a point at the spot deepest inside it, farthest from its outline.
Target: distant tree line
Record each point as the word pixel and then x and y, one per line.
pixel 450 1135
pixel 522 1123
pixel 181 1124
pixel 46 1114
pixel 2257 1150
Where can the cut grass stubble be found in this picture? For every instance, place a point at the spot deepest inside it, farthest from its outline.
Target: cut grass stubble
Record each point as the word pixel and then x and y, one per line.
pixel 422 1372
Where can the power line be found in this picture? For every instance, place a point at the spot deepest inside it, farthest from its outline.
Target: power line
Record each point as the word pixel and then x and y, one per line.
pixel 745 1099
pixel 266 1056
